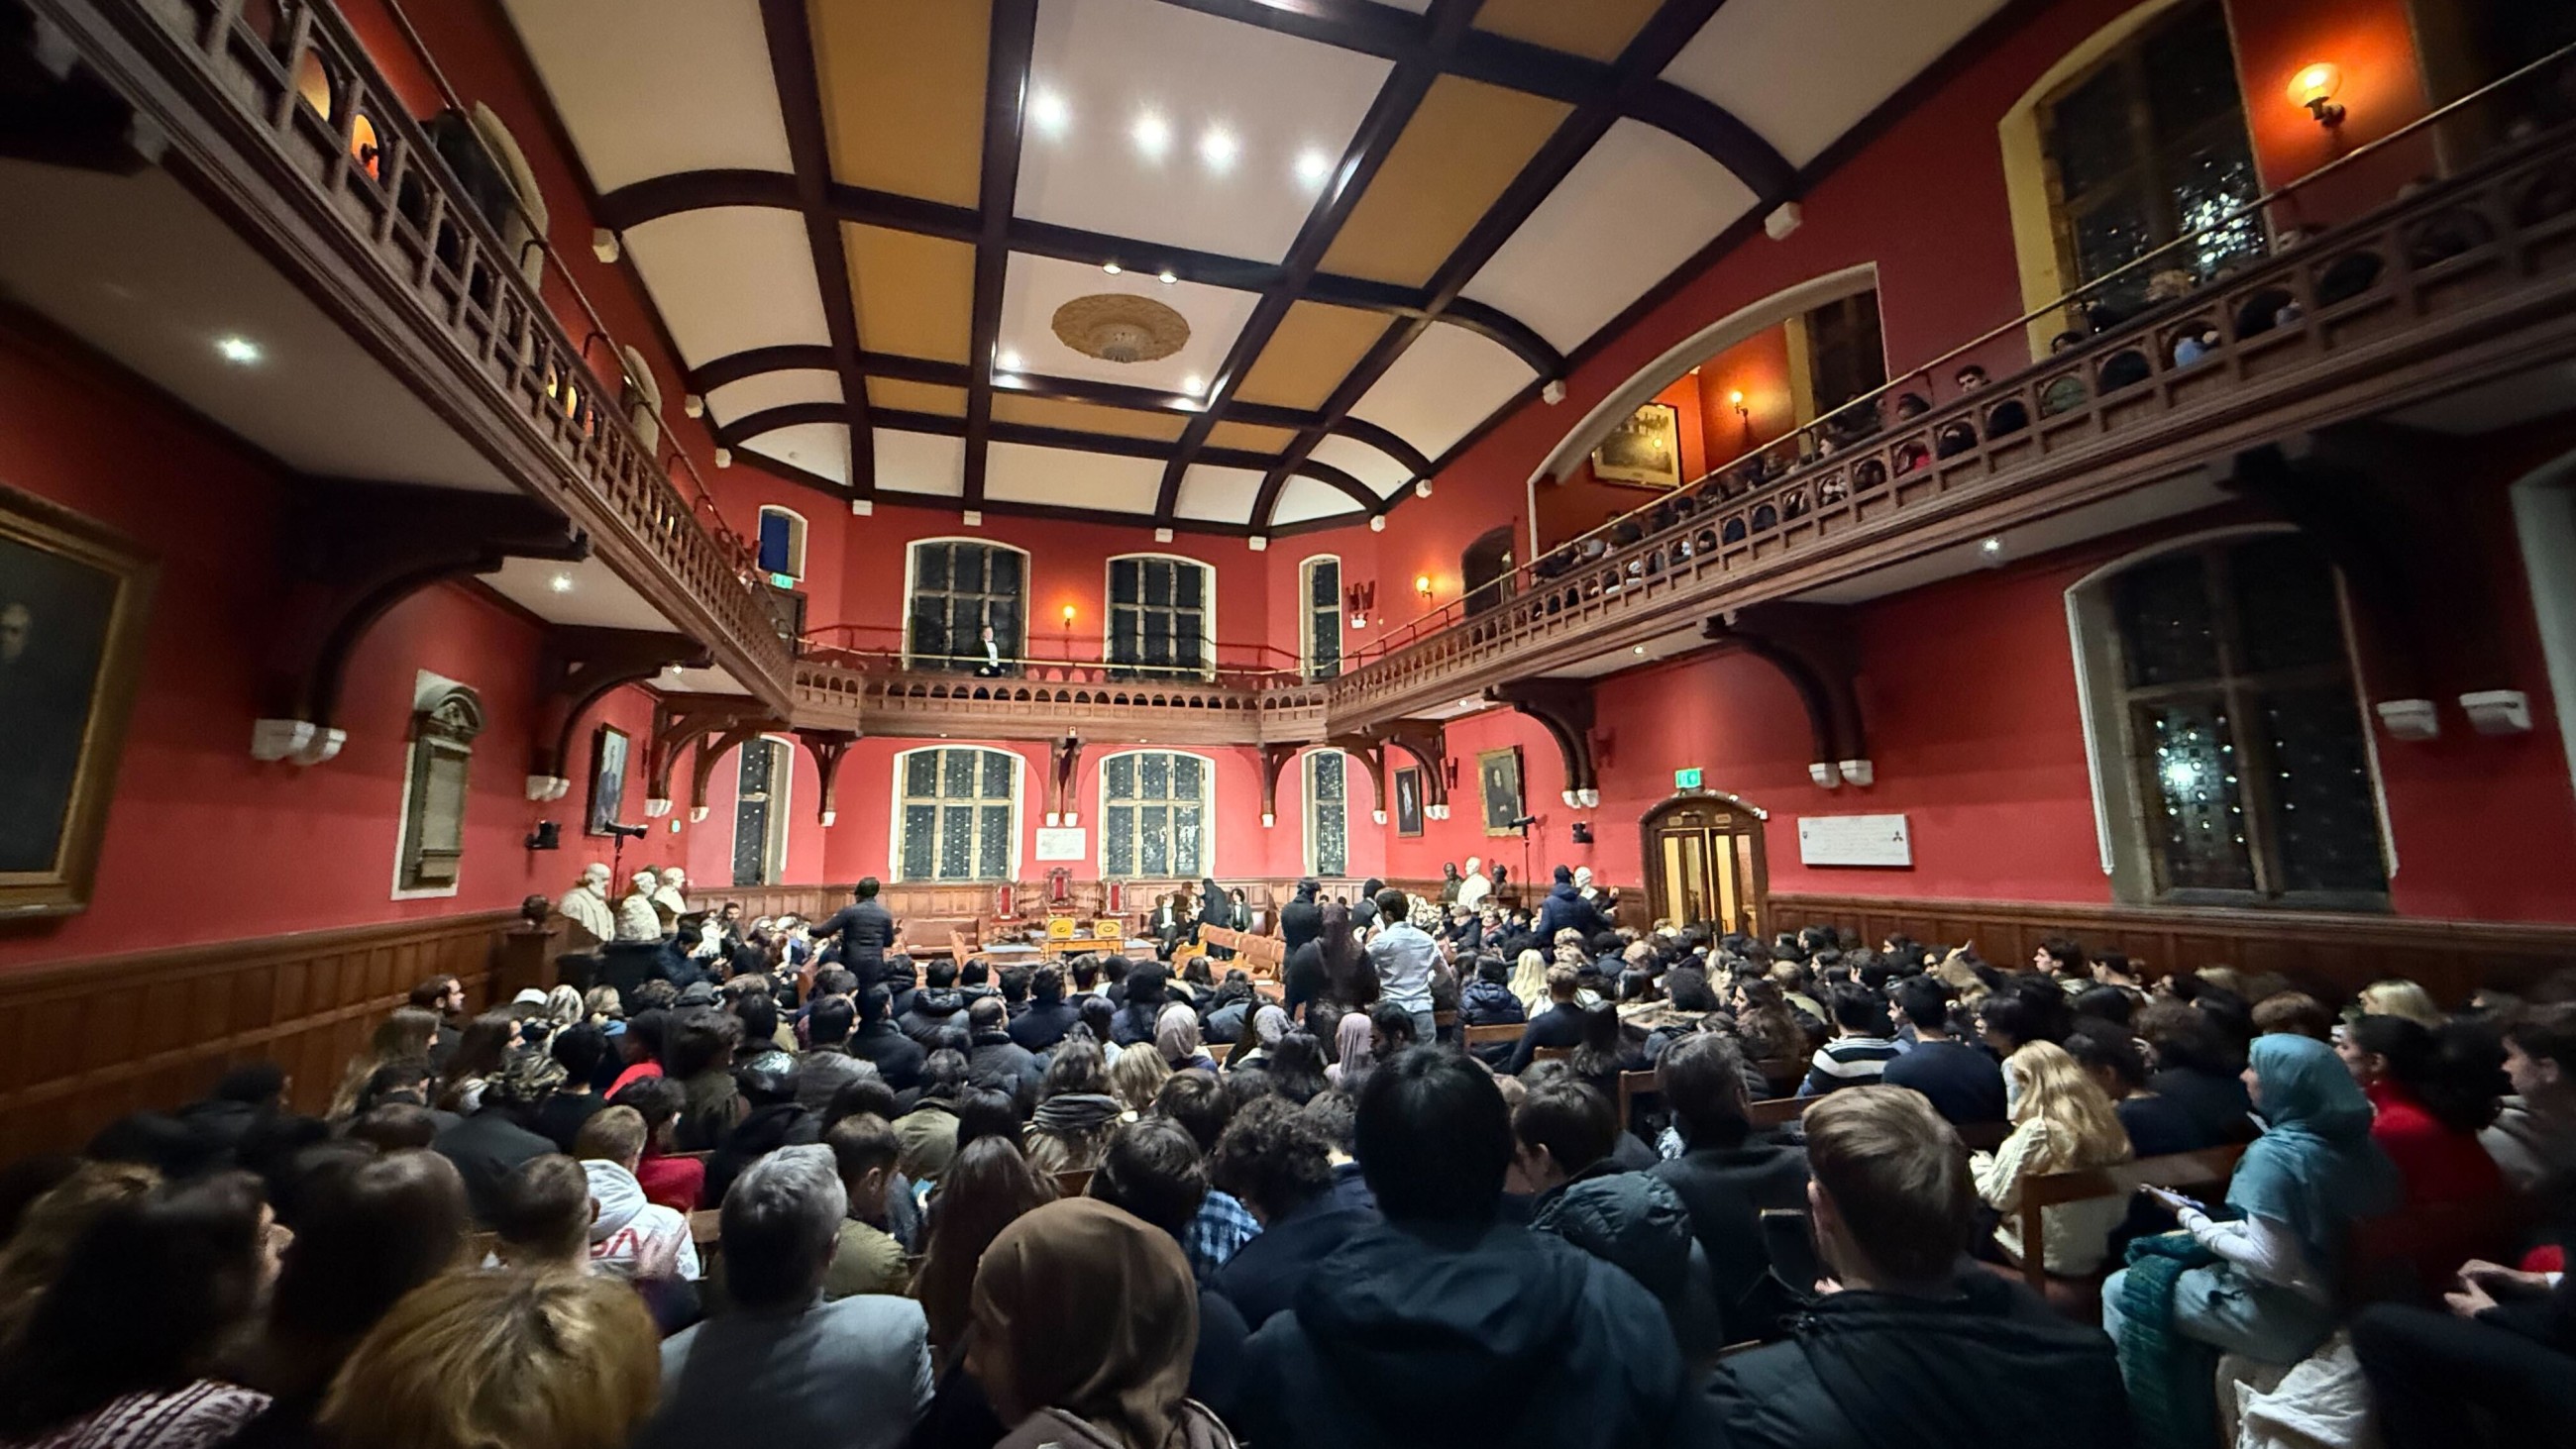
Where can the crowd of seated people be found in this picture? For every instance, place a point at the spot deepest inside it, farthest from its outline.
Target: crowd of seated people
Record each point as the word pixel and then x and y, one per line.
pixel 1472 1174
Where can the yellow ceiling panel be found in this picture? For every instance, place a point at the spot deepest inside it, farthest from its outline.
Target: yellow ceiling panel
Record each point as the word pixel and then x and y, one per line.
pixel 1081 417
pixel 1461 150
pixel 915 294
pixel 1596 28
pixel 1314 349
pixel 900 396
pixel 903 93
pixel 1250 436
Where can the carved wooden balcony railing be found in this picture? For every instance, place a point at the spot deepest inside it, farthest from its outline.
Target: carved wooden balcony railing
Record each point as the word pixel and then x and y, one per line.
pixel 876 694
pixel 354 199
pixel 2471 279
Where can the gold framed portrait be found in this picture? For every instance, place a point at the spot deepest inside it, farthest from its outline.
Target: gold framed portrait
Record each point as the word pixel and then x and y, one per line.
pixel 1645 450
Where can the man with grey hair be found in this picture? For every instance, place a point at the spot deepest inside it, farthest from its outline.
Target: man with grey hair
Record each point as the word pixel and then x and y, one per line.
pixel 784 1369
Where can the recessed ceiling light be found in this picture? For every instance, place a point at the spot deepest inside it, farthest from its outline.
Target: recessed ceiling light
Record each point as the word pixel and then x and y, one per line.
pixel 1218 148
pixel 562 583
pixel 1313 166
pixel 1991 547
pixel 1167 277
pixel 1194 384
pixel 1641 648
pixel 1050 113
pixel 1010 361
pixel 238 350
pixel 1112 268
pixel 1152 134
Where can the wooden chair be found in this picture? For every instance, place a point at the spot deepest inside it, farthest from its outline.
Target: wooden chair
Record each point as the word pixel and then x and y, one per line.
pixel 1783 1073
pixel 1073 1184
pixel 705 1226
pixel 1491 1035
pixel 1633 1085
pixel 1778 1111
pixel 1443 1020
pixel 1551 1054
pixel 2054 1189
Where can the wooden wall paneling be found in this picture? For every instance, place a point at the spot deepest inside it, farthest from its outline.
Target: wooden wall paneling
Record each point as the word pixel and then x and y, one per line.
pixel 2338 952
pixel 85 1042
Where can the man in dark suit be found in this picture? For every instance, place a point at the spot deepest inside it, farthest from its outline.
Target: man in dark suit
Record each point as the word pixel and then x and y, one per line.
pixel 866 929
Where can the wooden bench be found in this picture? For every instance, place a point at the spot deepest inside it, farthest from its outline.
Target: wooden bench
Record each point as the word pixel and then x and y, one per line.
pixel 2120 1179
pixel 1443 1020
pixel 1478 1036
pixel 1551 1054
pixel 1633 1085
pixel 1783 1073
pixel 705 1225
pixel 1776 1112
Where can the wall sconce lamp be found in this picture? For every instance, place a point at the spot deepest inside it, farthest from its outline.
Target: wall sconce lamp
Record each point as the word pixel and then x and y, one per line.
pixel 1735 400
pixel 1068 616
pixel 2314 87
pixel 1422 586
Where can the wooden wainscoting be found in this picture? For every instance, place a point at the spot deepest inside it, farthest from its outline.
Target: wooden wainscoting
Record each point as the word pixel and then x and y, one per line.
pixel 88 1041
pixel 2339 951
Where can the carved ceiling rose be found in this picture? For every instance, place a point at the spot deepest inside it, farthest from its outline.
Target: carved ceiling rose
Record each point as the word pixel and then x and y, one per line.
pixel 1119 327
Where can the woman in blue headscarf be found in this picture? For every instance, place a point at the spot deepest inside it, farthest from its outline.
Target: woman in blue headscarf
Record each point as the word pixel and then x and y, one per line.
pixel 2294 1196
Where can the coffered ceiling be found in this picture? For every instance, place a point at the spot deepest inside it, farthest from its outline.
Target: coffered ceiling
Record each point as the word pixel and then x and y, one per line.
pixel 1228 265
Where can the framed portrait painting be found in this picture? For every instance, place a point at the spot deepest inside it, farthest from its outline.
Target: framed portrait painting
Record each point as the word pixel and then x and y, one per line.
pixel 1408 800
pixel 1498 785
pixel 1645 450
pixel 73 598
pixel 607 778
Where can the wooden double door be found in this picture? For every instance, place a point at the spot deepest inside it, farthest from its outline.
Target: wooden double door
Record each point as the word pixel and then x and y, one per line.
pixel 1704 863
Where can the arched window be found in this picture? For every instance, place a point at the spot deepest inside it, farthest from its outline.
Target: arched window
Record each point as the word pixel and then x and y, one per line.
pixel 958 589
pixel 782 546
pixel 1319 624
pixel 2148 144
pixel 2232 763
pixel 1154 809
pixel 1328 813
pixel 1162 616
pixel 956 814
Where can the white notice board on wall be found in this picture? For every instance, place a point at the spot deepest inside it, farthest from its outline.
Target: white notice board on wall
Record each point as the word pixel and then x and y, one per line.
pixel 1061 842
pixel 1881 840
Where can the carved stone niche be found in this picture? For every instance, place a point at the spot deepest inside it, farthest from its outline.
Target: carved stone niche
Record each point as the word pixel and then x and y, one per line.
pixel 446 716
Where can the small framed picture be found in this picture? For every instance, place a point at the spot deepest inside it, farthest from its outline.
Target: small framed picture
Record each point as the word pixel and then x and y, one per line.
pixel 607 778
pixel 1408 800
pixel 1646 449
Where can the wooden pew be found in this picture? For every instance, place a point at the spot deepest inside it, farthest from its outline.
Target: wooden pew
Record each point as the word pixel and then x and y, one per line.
pixel 1783 1073
pixel 1778 1111
pixel 1481 1036
pixel 2210 1165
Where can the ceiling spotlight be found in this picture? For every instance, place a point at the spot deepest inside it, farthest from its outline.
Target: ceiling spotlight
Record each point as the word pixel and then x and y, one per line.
pixel 1639 649
pixel 1112 268
pixel 1218 148
pixel 1313 166
pixel 240 350
pixel 1194 384
pixel 562 583
pixel 1050 113
pixel 1010 360
pixel 1991 548
pixel 1167 276
pixel 1152 134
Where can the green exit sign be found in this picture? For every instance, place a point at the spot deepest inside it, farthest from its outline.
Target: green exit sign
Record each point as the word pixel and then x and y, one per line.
pixel 1685 779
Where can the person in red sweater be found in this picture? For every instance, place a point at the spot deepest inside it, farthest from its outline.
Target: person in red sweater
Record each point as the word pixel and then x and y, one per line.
pixel 674 1182
pixel 2432 1101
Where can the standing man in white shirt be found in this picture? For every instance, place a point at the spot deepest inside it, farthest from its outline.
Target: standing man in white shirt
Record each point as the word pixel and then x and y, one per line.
pixel 1406 959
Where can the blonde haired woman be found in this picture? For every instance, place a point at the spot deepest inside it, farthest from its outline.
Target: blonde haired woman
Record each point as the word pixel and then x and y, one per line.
pixel 408 1034
pixel 2395 997
pixel 1134 1079
pixel 469 1360
pixel 1529 980
pixel 2061 1122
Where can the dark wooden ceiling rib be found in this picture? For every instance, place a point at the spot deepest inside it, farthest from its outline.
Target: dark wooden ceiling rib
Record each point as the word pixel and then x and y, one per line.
pixel 800 102
pixel 1056 512
pixel 1387 117
pixel 735 366
pixel 1638 65
pixel 1006 77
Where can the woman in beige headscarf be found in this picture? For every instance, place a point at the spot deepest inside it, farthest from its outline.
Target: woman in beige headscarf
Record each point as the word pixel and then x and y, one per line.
pixel 1085 1320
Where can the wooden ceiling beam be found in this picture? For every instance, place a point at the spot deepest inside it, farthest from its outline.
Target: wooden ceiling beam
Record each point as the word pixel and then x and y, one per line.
pixel 1006 84
pixel 1637 68
pixel 800 103
pixel 1388 115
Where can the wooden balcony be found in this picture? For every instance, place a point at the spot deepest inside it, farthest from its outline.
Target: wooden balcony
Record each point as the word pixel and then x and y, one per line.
pixel 1041 700
pixel 2464 282
pixel 358 208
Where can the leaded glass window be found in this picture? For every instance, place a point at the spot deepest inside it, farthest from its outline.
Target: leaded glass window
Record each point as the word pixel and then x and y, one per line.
pixel 1328 820
pixel 1158 617
pixel 956 811
pixel 1320 628
pixel 960 589
pixel 2148 146
pixel 2242 727
pixel 1154 812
